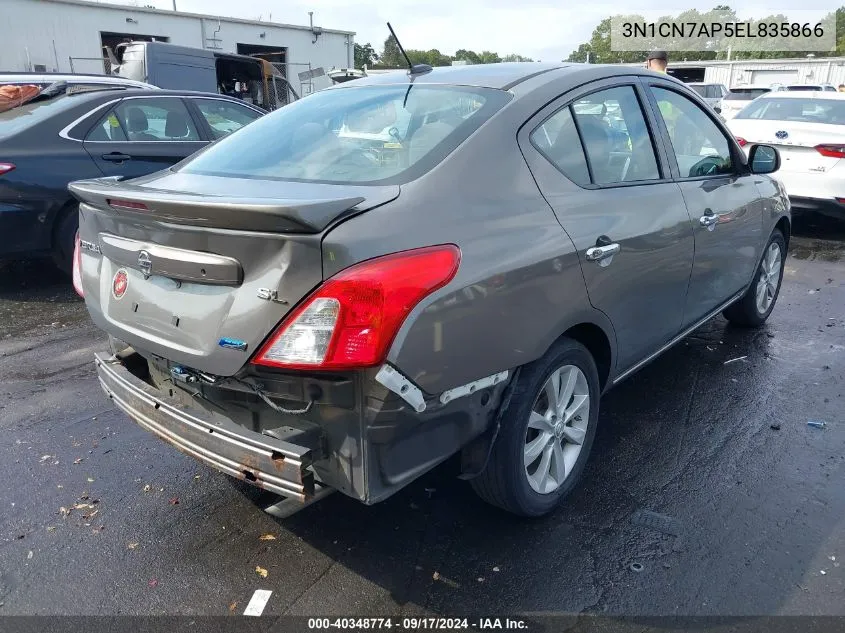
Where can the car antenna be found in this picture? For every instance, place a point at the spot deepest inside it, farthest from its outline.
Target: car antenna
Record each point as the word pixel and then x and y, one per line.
pixel 413 69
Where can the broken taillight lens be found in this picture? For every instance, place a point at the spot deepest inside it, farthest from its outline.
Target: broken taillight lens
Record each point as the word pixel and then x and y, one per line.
pixel 77 266
pixel 5 168
pixel 742 142
pixel 351 319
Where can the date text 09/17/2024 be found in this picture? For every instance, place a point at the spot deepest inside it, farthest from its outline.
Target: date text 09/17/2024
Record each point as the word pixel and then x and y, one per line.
pixel 417 624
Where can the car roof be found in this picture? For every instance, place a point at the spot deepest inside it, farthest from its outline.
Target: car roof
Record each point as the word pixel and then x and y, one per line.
pixel 808 94
pixel 120 92
pixel 752 87
pixel 501 76
pixel 71 78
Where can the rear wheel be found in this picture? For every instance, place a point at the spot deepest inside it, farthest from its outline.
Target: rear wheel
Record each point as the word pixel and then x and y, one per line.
pixel 546 435
pixel 64 236
pixel 757 303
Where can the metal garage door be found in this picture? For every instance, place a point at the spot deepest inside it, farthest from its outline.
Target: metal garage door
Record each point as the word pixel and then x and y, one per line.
pixel 767 77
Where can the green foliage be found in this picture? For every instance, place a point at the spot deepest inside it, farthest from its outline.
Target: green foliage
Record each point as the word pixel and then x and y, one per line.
pixel 391 57
pixel 365 55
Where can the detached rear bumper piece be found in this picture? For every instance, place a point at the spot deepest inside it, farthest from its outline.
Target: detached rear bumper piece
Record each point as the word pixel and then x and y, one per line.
pixel 275 465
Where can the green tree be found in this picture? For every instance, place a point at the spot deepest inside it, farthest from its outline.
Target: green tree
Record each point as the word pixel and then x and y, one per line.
pixel 365 55
pixel 489 57
pixel 470 57
pixel 513 57
pixel 391 57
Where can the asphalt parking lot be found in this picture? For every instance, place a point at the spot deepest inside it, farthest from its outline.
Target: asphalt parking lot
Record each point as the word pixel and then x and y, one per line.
pixel 99 517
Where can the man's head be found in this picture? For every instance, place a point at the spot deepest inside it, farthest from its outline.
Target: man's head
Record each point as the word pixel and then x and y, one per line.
pixel 841 88
pixel 657 60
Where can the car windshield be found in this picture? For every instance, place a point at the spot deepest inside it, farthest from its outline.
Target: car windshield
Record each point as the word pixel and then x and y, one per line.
pixel 746 94
pixel 370 134
pixel 21 117
pixel 831 111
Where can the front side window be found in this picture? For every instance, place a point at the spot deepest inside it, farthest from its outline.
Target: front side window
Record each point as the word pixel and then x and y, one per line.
pixel 224 117
pixel 701 149
pixel 156 119
pixel 368 134
pixel 615 136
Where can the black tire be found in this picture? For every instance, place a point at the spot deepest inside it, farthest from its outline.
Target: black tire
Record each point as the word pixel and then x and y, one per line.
pixel 745 312
pixel 504 481
pixel 64 238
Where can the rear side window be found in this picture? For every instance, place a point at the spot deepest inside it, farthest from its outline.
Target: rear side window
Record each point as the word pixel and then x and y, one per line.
pixel 224 117
pixel 558 140
pixel 108 129
pixel 368 134
pixel 156 119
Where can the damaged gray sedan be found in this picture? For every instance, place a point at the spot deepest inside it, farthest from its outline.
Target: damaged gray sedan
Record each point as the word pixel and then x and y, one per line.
pixel 352 289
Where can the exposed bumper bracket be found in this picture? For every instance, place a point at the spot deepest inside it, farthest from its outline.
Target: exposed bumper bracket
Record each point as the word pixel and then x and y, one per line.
pixel 472 387
pixel 401 386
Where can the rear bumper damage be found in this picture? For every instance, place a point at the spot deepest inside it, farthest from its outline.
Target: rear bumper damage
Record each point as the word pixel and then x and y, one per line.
pixel 275 465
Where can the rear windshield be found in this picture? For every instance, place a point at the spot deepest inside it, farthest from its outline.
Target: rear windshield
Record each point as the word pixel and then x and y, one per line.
pixel 831 111
pixel 804 88
pixel 701 90
pixel 369 134
pixel 29 114
pixel 746 94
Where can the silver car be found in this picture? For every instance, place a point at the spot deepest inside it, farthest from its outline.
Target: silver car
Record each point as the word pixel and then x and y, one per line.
pixel 309 309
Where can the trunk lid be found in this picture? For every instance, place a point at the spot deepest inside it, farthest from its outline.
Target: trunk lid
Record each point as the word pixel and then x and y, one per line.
pixel 202 279
pixel 796 142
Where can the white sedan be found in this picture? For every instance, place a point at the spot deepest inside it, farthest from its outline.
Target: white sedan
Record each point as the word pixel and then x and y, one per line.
pixel 808 129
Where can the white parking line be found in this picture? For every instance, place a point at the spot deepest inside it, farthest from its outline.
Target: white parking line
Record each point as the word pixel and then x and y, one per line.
pixel 257 602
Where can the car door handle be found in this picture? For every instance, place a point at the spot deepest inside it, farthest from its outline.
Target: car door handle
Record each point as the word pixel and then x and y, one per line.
pixel 116 157
pixel 599 253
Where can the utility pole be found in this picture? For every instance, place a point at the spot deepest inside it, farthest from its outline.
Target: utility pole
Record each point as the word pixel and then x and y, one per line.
pixel 174 5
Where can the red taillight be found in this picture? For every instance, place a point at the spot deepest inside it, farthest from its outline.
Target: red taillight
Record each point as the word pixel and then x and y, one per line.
pixel 77 266
pixel 742 142
pixel 5 168
pixel 351 320
pixel 127 204
pixel 831 151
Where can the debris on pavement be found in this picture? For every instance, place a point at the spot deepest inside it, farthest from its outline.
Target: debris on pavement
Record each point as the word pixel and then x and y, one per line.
pixel 832 557
pixel 480 579
pixel 44 458
pixel 733 360
pixel 132 545
pixel 819 424
pixel 29 556
pixel 261 571
pixel 822 572
pixel 78 460
pixel 495 569
pixel 90 480
pixel 174 501
pixel 267 537
pixel 51 528
pixel 233 606
pixel 430 491
pixel 153 583
pixel 436 575
pixel 775 426
pixel 147 488
pixel 636 567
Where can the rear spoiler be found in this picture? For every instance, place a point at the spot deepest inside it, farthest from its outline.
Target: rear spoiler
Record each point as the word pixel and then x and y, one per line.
pixel 219 212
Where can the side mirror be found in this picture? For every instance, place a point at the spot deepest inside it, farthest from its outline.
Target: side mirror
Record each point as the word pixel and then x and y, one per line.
pixel 763 159
pixel 718 110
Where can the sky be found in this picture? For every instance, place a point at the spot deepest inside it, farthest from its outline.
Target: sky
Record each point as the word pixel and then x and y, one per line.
pixel 546 30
